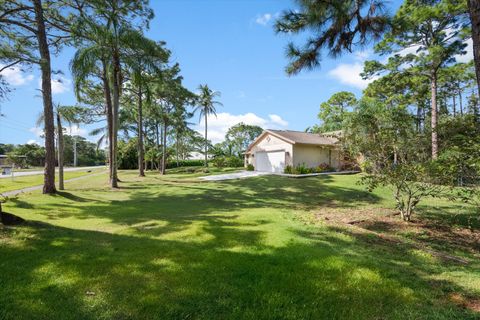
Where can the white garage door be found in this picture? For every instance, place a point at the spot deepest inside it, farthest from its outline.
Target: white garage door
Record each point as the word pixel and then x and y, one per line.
pixel 271 161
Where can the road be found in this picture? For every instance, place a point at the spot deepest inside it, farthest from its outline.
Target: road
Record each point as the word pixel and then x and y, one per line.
pixel 32 173
pixel 30 189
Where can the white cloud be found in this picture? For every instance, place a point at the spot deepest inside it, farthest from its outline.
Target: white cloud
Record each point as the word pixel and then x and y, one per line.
pixel 59 85
pixel 32 141
pixel 264 19
pixel 362 55
pixel 218 126
pixel 76 131
pixel 37 131
pixel 73 130
pixel 276 119
pixel 409 50
pixel 469 55
pixel 349 74
pixel 15 76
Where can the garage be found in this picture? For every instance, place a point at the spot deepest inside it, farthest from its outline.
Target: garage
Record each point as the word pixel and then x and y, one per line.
pixel 270 161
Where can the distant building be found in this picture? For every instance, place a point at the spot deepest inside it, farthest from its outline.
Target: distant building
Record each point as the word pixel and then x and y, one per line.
pixel 5 161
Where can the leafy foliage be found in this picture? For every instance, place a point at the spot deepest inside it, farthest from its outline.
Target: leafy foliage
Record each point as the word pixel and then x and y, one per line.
pixel 336 26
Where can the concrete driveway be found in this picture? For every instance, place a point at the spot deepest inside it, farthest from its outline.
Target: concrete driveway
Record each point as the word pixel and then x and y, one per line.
pixel 236 175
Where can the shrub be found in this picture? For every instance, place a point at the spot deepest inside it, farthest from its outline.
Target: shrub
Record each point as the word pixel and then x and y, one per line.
pixel 323 167
pixel 185 163
pixel 288 169
pixel 234 162
pixel 250 167
pixel 302 169
pixel 219 162
pixel 350 166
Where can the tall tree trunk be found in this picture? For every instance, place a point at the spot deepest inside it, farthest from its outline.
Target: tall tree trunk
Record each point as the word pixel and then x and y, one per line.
pixel 176 148
pixel 109 112
pixel 206 142
pixel 434 116
pixel 454 106
pixel 474 11
pixel 419 117
pixel 141 169
pixel 164 147
pixel 75 158
pixel 460 102
pixel 60 153
pixel 158 143
pixel 45 66
pixel 116 108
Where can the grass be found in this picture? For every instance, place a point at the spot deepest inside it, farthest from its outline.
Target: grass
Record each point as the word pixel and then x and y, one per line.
pixel 9 184
pixel 176 248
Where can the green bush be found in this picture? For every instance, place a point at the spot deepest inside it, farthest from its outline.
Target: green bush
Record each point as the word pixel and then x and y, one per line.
pixel 323 167
pixel 250 167
pixel 185 163
pixel 233 162
pixel 289 169
pixel 219 162
pixel 303 169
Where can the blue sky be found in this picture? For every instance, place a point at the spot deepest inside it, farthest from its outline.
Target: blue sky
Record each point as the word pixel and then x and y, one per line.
pixel 229 45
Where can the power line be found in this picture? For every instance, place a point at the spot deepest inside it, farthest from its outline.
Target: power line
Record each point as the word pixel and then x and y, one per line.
pixel 14 128
pixel 12 123
pixel 16 122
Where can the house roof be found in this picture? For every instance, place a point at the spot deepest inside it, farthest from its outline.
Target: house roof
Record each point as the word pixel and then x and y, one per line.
pixel 294 137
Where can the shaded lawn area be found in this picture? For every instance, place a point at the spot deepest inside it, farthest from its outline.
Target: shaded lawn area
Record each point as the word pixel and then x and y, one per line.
pixel 174 248
pixel 17 183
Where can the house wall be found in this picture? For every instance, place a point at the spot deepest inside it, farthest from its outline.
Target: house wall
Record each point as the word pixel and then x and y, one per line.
pixel 312 156
pixel 270 143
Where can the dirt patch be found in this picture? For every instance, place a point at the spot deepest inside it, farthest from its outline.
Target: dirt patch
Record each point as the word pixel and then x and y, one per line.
pixel 431 236
pixel 335 215
pixel 464 302
pixel 9 219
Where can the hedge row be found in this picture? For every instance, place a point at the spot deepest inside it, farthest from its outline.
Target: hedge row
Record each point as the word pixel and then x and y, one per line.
pixel 185 163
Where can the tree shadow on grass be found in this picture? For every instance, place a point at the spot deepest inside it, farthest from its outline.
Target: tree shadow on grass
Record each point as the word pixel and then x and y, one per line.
pixel 224 267
pixel 64 273
pixel 72 197
pixel 178 206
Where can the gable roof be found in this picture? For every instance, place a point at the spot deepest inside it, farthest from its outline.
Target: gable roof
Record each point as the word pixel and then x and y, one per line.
pixel 294 137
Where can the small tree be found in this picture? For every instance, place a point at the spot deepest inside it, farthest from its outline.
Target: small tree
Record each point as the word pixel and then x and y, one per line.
pixel 387 139
pixel 411 182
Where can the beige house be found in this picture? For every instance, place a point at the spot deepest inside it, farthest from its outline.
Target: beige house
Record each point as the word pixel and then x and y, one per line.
pixel 273 150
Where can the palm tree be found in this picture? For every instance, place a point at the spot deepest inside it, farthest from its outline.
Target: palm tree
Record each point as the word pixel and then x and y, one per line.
pixel 206 106
pixel 144 65
pixel 337 25
pixel 71 114
pixel 109 50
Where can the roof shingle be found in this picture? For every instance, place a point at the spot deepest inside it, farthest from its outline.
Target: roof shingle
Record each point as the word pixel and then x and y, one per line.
pixel 305 137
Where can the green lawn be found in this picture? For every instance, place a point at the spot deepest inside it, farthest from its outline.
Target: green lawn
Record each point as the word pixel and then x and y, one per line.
pixel 175 248
pixel 9 184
